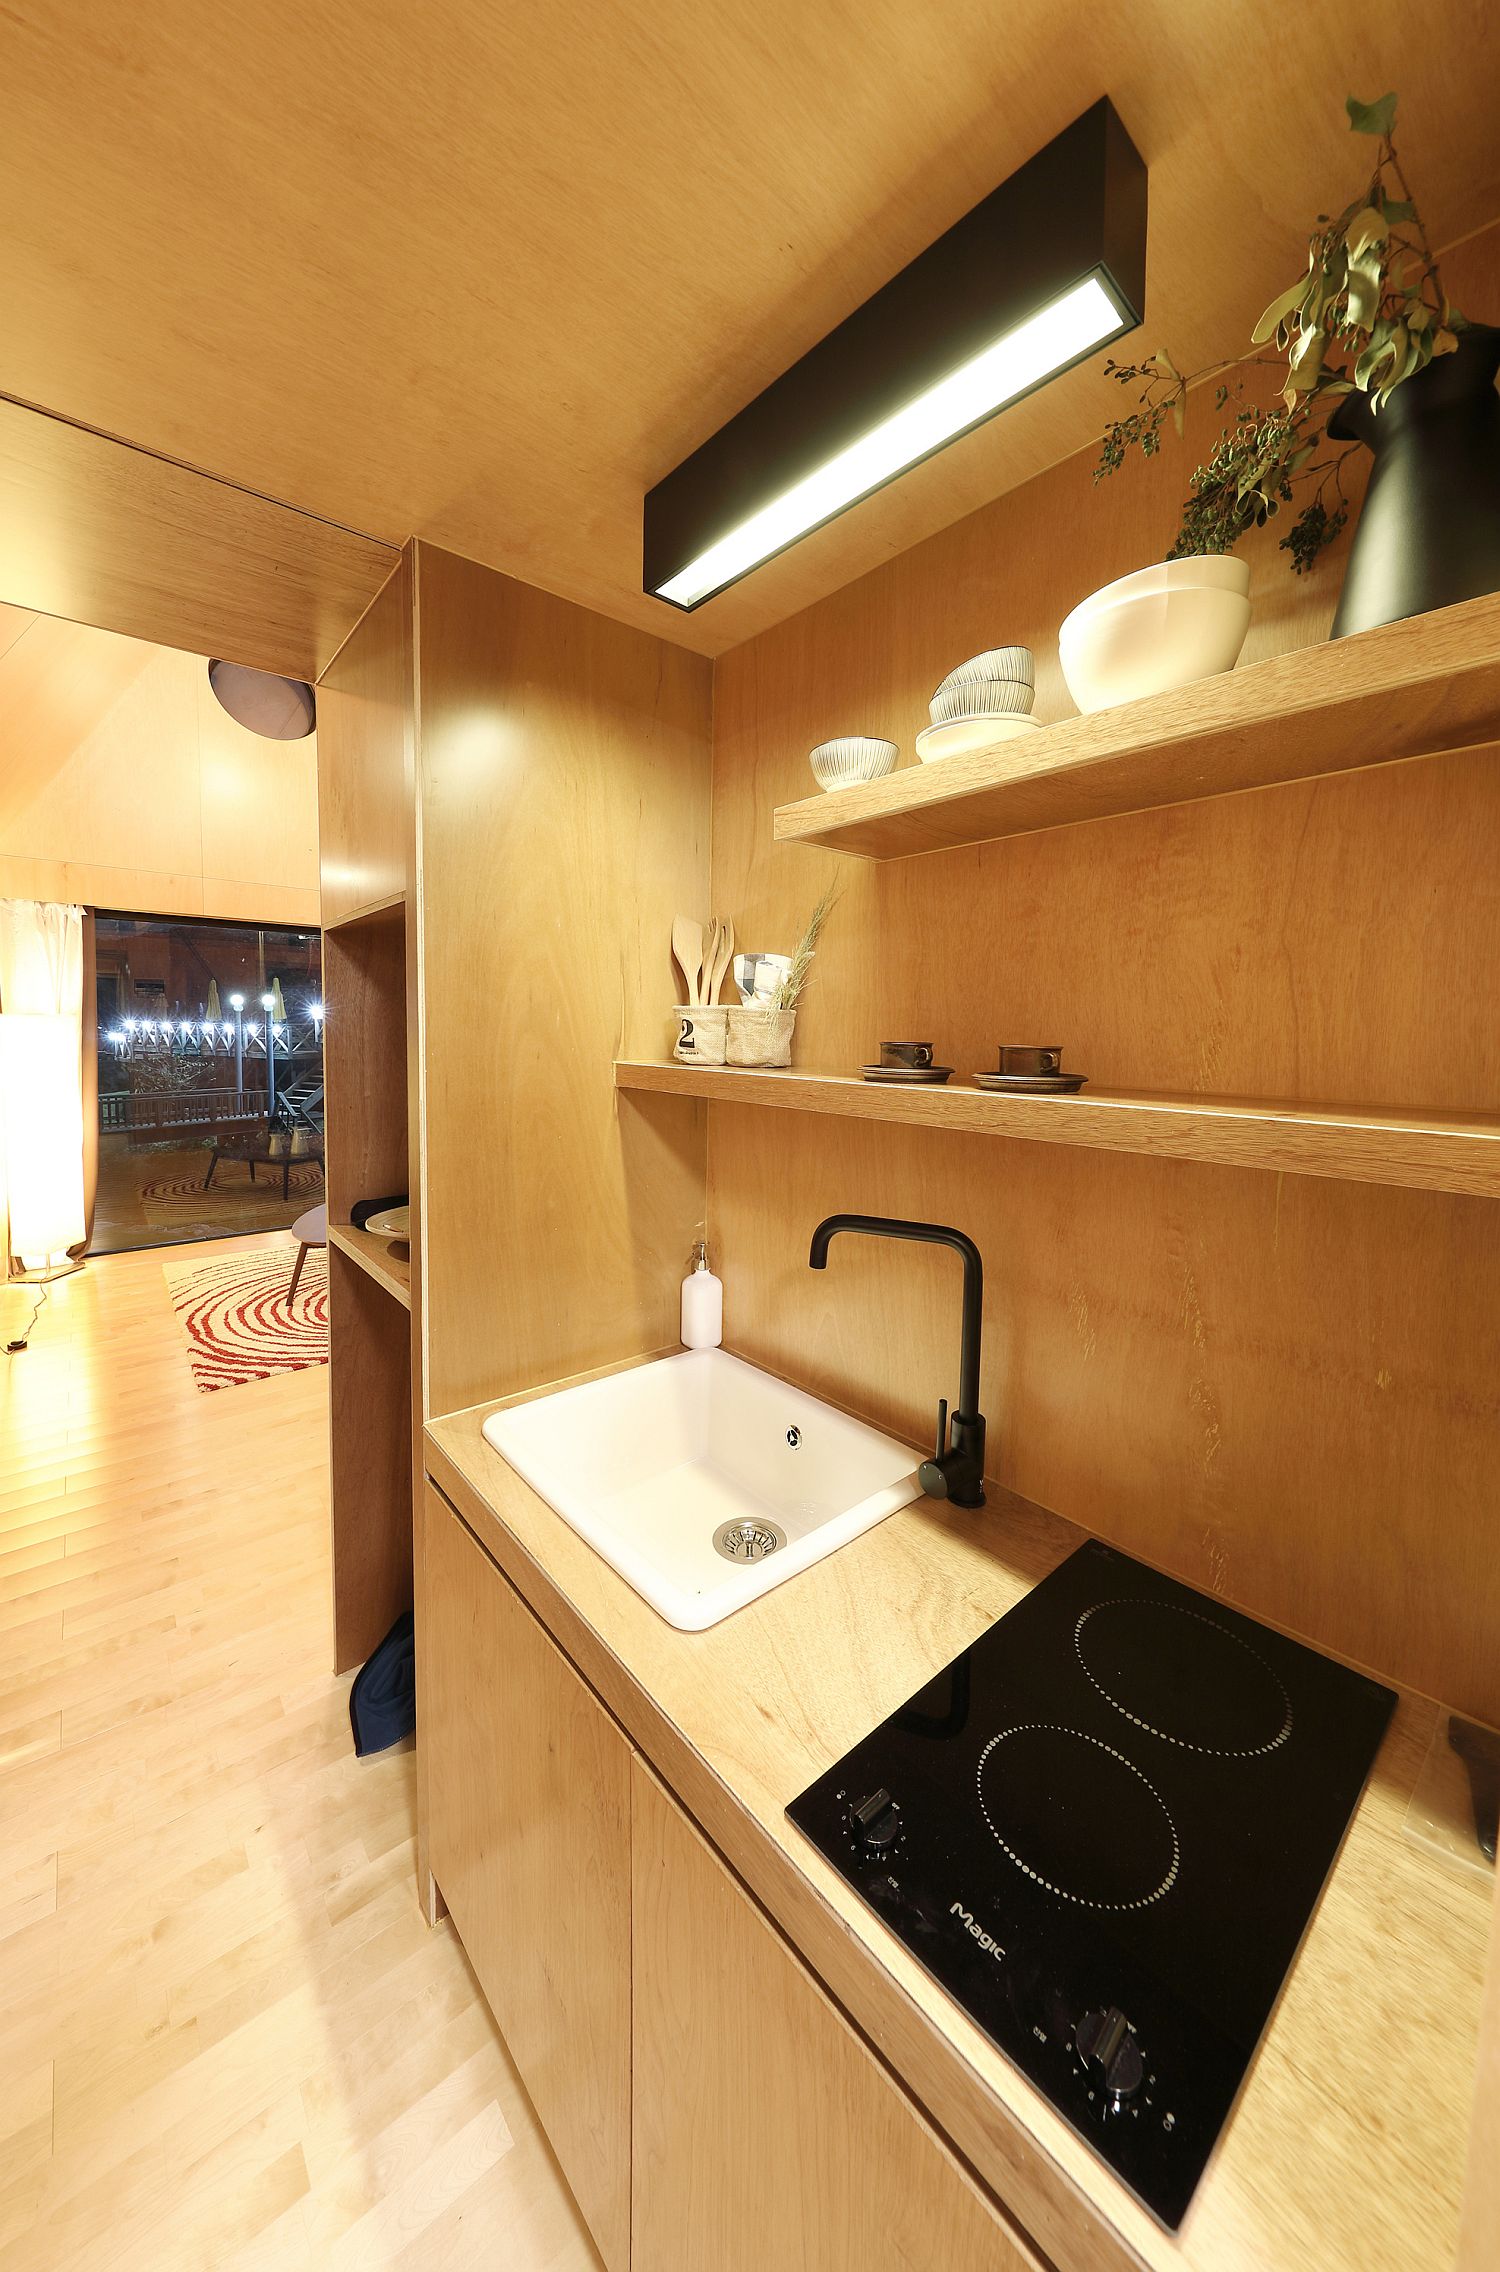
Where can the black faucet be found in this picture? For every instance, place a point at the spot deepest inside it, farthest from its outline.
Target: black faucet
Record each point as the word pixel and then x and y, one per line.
pixel 956 1469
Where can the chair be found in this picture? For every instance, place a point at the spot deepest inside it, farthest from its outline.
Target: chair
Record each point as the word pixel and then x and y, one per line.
pixel 309 1230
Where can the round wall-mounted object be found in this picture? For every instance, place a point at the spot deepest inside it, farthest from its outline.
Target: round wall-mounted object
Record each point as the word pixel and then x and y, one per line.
pixel 278 709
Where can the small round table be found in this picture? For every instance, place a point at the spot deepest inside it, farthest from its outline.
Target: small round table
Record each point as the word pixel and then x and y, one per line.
pixel 263 1150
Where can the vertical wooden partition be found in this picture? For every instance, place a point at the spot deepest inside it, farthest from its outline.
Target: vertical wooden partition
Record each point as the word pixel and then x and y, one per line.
pixel 514 803
pixel 367 845
pixel 563 791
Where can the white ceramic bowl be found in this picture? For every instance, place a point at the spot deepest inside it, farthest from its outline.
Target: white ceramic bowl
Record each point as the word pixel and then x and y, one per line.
pixel 1163 627
pixel 963 734
pixel 995 662
pixel 982 698
pixel 1220 570
pixel 839 764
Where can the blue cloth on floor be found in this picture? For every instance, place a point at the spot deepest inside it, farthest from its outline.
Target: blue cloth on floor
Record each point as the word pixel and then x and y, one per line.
pixel 383 1700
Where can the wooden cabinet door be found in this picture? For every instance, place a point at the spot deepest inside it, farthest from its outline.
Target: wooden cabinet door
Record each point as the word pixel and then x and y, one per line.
pixel 529 1825
pixel 765 2133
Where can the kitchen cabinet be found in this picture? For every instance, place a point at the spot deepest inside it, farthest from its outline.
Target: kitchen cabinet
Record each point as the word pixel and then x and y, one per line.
pixel 529 1836
pixel 765 2132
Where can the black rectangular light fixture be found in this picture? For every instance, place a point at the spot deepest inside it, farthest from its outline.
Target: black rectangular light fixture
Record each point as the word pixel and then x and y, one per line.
pixel 1046 270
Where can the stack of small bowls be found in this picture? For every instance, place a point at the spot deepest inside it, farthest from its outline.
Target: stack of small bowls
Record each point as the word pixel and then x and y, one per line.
pixel 987 699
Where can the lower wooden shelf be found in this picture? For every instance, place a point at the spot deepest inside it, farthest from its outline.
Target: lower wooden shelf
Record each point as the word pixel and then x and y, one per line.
pixel 1426 1151
pixel 387 1261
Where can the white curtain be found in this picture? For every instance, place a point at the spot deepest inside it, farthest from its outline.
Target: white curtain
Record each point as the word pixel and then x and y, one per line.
pixel 41 1084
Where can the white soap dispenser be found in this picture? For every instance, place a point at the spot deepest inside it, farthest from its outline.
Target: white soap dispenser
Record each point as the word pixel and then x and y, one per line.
pixel 702 1304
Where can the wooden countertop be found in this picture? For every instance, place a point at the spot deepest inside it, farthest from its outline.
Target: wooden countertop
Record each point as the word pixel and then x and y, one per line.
pixel 1346 2150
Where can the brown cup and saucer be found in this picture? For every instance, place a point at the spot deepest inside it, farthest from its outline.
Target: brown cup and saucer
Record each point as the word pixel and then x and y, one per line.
pixel 1031 1069
pixel 907 1063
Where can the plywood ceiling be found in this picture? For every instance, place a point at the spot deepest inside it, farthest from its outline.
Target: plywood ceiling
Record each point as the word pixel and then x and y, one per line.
pixel 484 274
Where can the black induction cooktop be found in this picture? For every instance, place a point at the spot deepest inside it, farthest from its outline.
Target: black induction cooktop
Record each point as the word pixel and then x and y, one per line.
pixel 1103 1830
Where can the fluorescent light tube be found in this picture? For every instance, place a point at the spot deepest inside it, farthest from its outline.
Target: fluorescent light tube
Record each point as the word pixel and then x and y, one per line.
pixel 1045 270
pixel 1021 359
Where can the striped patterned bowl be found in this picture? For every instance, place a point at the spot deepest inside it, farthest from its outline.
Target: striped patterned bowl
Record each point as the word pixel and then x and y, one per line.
pixel 982 698
pixel 839 764
pixel 996 662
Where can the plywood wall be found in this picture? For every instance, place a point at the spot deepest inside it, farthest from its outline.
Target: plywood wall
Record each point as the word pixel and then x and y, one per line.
pixel 563 793
pixel 1285 1391
pixel 124 785
pixel 367 734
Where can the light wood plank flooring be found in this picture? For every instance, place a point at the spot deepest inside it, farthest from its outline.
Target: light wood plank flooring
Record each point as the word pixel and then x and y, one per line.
pixel 227 2037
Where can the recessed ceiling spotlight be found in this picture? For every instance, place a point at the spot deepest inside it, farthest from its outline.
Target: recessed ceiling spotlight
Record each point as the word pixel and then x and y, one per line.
pixel 1046 270
pixel 278 709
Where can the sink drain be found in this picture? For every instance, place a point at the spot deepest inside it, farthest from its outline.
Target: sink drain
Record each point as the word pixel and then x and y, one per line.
pixel 747 1541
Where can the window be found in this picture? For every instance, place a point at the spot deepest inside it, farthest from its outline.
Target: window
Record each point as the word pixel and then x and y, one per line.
pixel 210 1079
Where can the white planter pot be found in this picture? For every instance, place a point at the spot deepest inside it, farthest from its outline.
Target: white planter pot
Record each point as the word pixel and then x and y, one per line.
pixel 1164 626
pixel 760 1037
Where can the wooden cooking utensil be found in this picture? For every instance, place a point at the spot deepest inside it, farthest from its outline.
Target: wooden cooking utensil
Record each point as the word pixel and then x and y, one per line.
pixel 687 947
pixel 723 953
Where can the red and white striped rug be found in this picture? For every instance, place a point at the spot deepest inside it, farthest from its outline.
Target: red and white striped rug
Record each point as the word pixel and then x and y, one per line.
pixel 237 1321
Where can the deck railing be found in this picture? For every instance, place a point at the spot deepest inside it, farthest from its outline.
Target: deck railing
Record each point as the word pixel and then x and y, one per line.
pixel 128 1111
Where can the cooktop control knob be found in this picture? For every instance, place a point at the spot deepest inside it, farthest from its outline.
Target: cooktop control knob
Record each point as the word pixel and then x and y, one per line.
pixel 875 1822
pixel 1106 2044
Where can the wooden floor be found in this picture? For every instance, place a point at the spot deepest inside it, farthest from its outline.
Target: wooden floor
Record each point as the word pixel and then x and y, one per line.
pixel 227 2037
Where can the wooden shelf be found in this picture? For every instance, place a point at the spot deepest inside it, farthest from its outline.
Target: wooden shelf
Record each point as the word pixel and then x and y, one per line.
pixel 1427 1151
pixel 393 904
pixel 1412 689
pixel 387 1261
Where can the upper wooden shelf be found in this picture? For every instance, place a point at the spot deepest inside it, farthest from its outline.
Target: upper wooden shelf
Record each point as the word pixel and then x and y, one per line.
pixel 1427 1151
pixel 1411 689
pixel 393 904
pixel 387 1261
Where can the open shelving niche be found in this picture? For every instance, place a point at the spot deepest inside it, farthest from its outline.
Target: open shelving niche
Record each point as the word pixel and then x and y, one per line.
pixel 371 1340
pixel 1419 688
pixel 387 1261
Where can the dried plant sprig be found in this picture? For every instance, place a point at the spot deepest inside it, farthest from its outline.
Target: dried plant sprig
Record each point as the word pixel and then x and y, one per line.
pixel 789 991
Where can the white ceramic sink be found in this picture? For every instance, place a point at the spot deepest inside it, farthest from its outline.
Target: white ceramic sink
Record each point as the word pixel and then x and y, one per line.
pixel 651 1465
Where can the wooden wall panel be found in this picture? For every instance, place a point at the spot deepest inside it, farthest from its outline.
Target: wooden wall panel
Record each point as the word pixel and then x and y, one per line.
pixel 1283 1391
pixel 124 784
pixel 365 772
pixel 104 534
pixel 563 784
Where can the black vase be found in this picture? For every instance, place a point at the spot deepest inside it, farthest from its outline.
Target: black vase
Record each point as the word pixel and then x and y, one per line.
pixel 1429 532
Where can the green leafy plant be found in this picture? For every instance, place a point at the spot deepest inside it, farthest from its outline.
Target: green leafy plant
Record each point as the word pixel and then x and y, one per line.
pixel 1368 314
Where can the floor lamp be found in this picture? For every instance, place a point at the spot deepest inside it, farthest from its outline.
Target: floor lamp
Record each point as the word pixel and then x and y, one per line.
pixel 41 1124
